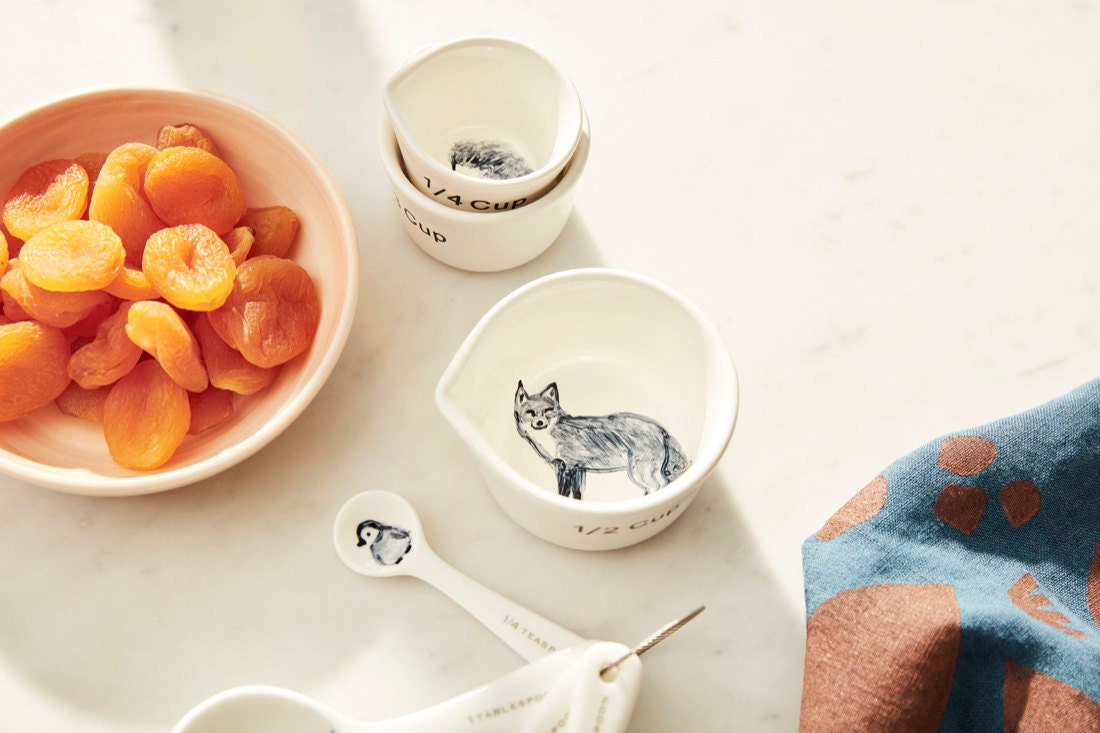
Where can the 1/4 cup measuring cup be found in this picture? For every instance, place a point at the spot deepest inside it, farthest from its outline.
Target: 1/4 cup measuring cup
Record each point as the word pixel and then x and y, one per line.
pixel 484 124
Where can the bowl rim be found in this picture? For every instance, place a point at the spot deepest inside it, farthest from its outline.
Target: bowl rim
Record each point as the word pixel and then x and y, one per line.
pixel 726 414
pixel 390 155
pixel 402 132
pixel 74 481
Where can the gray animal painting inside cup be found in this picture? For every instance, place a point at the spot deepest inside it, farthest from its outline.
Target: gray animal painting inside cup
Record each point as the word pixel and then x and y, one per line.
pixel 487 159
pixel 574 445
pixel 388 544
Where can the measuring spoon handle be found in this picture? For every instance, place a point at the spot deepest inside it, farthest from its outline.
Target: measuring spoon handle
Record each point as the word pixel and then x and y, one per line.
pixel 529 634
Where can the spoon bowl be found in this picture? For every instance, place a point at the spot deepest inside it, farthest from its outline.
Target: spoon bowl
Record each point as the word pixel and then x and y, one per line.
pixel 378 533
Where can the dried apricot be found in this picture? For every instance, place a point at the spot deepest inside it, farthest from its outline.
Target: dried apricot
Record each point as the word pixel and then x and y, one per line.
pixel 225 366
pixel 109 356
pixel 209 408
pixel 53 309
pixel 92 163
pixel 239 240
pixel 13 244
pixel 275 228
pixel 87 404
pixel 117 199
pixel 132 284
pixel 185 135
pixel 87 326
pixel 272 313
pixel 160 331
pixel 33 360
pixel 12 310
pixel 145 417
pixel 191 186
pixel 46 193
pixel 73 256
pixel 190 266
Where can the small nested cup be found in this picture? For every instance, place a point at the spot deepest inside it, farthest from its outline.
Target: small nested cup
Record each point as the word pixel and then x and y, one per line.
pixel 484 124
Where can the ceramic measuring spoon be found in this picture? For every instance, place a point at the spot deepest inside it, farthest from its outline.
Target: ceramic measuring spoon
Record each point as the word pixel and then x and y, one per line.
pixel 378 533
pixel 569 682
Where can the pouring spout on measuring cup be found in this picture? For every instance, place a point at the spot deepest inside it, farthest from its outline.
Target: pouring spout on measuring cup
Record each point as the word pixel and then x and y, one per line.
pixel 378 533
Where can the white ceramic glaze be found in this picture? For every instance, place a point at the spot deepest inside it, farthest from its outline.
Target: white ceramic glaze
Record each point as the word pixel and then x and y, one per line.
pixel 274 167
pixel 562 692
pixel 470 241
pixel 611 342
pixel 402 549
pixel 484 91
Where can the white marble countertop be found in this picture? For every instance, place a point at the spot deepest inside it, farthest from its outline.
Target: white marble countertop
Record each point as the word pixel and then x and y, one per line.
pixel 889 213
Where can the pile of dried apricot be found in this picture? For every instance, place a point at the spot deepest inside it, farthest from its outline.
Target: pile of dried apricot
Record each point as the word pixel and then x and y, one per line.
pixel 140 291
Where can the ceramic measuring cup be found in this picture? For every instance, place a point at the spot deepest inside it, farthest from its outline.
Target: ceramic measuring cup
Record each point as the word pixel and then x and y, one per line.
pixel 484 124
pixel 466 239
pixel 622 361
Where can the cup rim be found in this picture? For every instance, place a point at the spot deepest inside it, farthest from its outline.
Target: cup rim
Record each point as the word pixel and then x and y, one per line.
pixel 403 133
pixel 393 164
pixel 682 486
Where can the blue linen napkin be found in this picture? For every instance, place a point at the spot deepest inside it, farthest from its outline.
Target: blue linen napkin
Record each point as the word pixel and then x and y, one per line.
pixel 960 589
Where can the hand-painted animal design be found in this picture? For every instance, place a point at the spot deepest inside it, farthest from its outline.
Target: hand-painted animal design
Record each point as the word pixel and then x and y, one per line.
pixel 574 445
pixel 487 159
pixel 388 544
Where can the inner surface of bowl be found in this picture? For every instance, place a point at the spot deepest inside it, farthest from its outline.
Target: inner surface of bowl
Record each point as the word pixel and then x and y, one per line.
pixel 273 167
pixel 610 344
pixel 486 108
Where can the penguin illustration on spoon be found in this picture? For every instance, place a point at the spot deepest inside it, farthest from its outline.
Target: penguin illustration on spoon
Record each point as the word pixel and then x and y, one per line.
pixel 388 544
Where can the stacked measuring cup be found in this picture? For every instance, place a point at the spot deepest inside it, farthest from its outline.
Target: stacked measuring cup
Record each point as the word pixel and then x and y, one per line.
pixel 484 140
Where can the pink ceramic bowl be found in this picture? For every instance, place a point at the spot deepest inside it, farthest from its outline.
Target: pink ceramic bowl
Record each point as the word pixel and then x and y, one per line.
pixel 274 167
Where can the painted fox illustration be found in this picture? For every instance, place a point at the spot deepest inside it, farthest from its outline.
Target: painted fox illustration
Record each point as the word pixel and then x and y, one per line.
pixel 574 445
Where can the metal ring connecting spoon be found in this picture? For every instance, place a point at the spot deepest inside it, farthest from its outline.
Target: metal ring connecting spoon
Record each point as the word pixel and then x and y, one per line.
pixel 378 533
